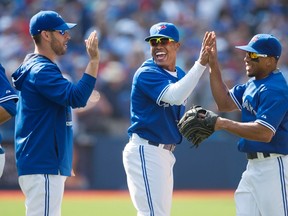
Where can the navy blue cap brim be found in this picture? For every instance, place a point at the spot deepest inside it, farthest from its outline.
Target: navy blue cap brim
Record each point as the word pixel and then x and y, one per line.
pixel 157 36
pixel 65 26
pixel 247 48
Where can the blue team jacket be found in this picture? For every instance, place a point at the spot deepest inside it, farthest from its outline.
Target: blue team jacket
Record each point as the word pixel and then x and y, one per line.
pixel 43 123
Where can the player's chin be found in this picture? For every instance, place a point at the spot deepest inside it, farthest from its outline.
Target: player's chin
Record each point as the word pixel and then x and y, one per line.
pixel 250 73
pixel 160 62
pixel 63 51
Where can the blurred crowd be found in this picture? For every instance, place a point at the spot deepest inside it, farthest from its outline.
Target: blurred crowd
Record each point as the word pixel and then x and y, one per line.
pixel 122 26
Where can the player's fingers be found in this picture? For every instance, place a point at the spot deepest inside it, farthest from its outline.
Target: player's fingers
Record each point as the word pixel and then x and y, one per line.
pixel 210 39
pixel 92 45
pixel 92 39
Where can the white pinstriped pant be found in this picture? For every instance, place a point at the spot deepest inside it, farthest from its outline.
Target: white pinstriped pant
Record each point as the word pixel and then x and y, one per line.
pixel 149 171
pixel 263 188
pixel 43 194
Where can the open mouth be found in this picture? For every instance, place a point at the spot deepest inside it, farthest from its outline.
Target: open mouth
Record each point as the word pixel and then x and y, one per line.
pixel 160 55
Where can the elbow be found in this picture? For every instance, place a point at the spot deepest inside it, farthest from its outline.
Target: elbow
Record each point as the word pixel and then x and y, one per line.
pixel 177 103
pixel 226 107
pixel 223 109
pixel 173 101
pixel 79 103
pixel 267 138
pixel 83 103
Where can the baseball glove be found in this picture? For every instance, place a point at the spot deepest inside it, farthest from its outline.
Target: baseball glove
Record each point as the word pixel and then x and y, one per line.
pixel 197 124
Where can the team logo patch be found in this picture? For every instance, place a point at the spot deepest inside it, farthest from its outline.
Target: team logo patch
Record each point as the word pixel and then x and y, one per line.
pixel 161 27
pixel 255 38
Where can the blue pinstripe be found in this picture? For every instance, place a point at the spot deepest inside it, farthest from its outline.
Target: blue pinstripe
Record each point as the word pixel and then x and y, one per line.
pixel 46 208
pixel 283 185
pixel 145 178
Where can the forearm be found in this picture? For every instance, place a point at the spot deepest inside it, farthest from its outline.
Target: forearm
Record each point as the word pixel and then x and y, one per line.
pixel 92 67
pixel 178 92
pixel 220 91
pixel 247 130
pixel 4 115
pixel 82 91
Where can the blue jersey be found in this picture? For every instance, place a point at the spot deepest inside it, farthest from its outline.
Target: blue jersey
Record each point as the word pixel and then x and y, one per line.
pixel 8 97
pixel 264 101
pixel 151 118
pixel 43 129
pixel 7 93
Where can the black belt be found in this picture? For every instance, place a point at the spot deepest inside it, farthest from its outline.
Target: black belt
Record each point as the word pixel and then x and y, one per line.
pixel 169 147
pixel 254 155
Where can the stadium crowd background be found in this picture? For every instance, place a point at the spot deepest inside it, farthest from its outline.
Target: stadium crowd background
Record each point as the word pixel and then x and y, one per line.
pixel 122 26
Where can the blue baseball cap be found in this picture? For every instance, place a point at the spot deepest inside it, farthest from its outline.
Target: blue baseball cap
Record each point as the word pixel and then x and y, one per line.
pixel 263 44
pixel 163 29
pixel 48 20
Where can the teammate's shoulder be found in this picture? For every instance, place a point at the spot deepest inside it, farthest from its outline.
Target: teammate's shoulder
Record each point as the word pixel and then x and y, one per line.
pixel 149 63
pixel 148 66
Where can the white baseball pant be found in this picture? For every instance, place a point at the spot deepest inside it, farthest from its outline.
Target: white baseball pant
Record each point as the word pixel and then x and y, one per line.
pixel 43 194
pixel 262 190
pixel 149 171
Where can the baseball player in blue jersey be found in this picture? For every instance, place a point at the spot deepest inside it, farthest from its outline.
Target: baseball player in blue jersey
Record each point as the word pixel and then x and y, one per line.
pixel 159 92
pixel 43 133
pixel 8 99
pixel 263 101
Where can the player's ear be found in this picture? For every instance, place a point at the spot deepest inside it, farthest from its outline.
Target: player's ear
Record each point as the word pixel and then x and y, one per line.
pixel 271 62
pixel 45 34
pixel 177 44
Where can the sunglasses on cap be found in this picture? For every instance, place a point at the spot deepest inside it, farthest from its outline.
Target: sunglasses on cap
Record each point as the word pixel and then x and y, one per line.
pixel 162 41
pixel 252 55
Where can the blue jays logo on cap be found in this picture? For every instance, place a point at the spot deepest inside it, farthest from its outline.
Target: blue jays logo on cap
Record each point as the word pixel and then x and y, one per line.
pixel 164 29
pixel 263 44
pixel 161 27
pixel 48 20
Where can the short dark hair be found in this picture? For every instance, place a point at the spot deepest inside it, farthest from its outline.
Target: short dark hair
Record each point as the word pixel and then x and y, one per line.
pixel 37 38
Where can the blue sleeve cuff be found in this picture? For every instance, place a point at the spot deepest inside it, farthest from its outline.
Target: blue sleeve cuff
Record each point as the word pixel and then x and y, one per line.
pixel 10 107
pixel 89 79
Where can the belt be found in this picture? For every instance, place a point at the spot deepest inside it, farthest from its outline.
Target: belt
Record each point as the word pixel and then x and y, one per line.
pixel 260 155
pixel 169 147
pixel 141 141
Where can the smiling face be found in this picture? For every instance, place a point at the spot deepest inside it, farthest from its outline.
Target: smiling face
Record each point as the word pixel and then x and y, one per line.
pixel 259 66
pixel 164 52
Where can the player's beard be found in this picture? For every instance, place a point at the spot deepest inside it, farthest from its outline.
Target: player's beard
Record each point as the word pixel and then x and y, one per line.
pixel 58 48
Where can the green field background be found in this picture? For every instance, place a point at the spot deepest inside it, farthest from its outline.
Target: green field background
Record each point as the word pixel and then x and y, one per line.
pixel 119 204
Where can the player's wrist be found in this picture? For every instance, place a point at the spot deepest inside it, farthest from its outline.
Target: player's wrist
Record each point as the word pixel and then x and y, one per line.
pixel 200 65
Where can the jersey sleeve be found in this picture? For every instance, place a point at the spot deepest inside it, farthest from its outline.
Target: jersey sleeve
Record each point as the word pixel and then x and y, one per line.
pixel 272 110
pixel 6 90
pixel 10 107
pixel 236 94
pixel 51 83
pixel 153 84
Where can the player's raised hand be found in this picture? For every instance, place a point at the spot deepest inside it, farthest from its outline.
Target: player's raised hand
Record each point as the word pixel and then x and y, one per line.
pixel 206 44
pixel 93 52
pixel 92 46
pixel 212 51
